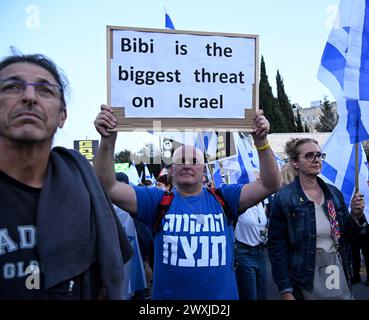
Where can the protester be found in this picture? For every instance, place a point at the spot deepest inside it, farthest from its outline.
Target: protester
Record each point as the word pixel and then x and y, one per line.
pixel 360 242
pixel 163 183
pixel 59 236
pixel 250 234
pixel 135 284
pixel 194 244
pixel 309 230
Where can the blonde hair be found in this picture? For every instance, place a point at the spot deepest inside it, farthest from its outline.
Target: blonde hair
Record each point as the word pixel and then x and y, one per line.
pixel 288 173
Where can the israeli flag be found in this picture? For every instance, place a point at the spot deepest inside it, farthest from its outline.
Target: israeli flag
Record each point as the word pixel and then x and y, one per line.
pixel 168 21
pixel 253 156
pixel 339 166
pixel 153 180
pixel 344 67
pixel 147 172
pixel 344 70
pixel 217 175
pixel 279 161
pixel 133 176
pixel 241 167
pixel 207 142
pixel 248 160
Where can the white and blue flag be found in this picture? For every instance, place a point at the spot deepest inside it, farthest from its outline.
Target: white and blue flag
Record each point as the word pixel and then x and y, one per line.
pixel 133 176
pixel 344 67
pixel 344 70
pixel 168 21
pixel 241 167
pixel 339 166
pixel 207 142
pixel 217 175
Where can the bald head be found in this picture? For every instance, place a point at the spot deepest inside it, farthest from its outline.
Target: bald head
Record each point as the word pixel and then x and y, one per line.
pixel 188 154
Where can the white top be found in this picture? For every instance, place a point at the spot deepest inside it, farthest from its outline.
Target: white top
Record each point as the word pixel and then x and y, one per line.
pixel 324 239
pixel 250 225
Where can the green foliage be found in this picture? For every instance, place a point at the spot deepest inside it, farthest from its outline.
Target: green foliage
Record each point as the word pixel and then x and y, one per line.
pixel 266 98
pixel 145 155
pixel 327 118
pixel 268 103
pixel 299 127
pixel 277 110
pixel 306 128
pixel 123 157
pixel 285 105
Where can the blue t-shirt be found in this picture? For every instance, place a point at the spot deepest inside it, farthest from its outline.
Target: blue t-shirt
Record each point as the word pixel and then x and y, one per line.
pixel 194 248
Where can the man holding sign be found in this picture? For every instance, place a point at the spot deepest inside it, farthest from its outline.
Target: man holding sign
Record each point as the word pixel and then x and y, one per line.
pixel 194 244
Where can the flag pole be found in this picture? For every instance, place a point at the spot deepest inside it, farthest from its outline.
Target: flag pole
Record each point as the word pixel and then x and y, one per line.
pixel 207 158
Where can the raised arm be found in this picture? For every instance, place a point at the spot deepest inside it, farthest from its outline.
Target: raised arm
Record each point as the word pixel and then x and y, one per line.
pixel 270 180
pixel 121 194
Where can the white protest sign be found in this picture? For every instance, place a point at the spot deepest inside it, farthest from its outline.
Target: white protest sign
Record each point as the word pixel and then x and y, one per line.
pixel 164 74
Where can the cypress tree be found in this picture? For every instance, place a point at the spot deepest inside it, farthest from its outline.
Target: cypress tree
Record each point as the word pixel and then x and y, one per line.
pixel 284 105
pixel 327 118
pixel 267 101
pixel 281 123
pixel 299 127
pixel 306 128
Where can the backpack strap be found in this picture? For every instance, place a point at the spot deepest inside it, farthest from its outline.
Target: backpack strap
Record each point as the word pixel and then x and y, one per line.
pixel 163 207
pixel 218 195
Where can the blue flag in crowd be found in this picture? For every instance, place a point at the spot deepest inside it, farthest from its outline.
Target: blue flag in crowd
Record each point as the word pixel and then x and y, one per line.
pixel 241 168
pixel 147 172
pixel 253 156
pixel 207 142
pixel 344 70
pixel 168 22
pixel 133 176
pixel 217 175
pixel 344 67
pixel 339 166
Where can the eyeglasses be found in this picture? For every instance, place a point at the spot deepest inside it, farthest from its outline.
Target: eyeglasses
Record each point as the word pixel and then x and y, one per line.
pixel 15 88
pixel 311 156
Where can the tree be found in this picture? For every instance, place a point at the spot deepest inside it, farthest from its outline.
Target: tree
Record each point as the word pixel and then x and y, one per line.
pixel 327 118
pixel 147 155
pixel 267 101
pixel 299 127
pixel 285 105
pixel 306 128
pixel 123 157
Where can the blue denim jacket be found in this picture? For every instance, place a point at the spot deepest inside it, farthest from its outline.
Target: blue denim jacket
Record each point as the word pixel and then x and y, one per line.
pixel 292 235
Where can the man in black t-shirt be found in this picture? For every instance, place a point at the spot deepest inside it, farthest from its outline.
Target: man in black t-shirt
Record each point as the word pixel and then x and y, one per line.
pixel 59 236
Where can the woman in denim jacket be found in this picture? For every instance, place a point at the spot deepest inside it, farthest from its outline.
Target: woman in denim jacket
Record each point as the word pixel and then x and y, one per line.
pixel 309 226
